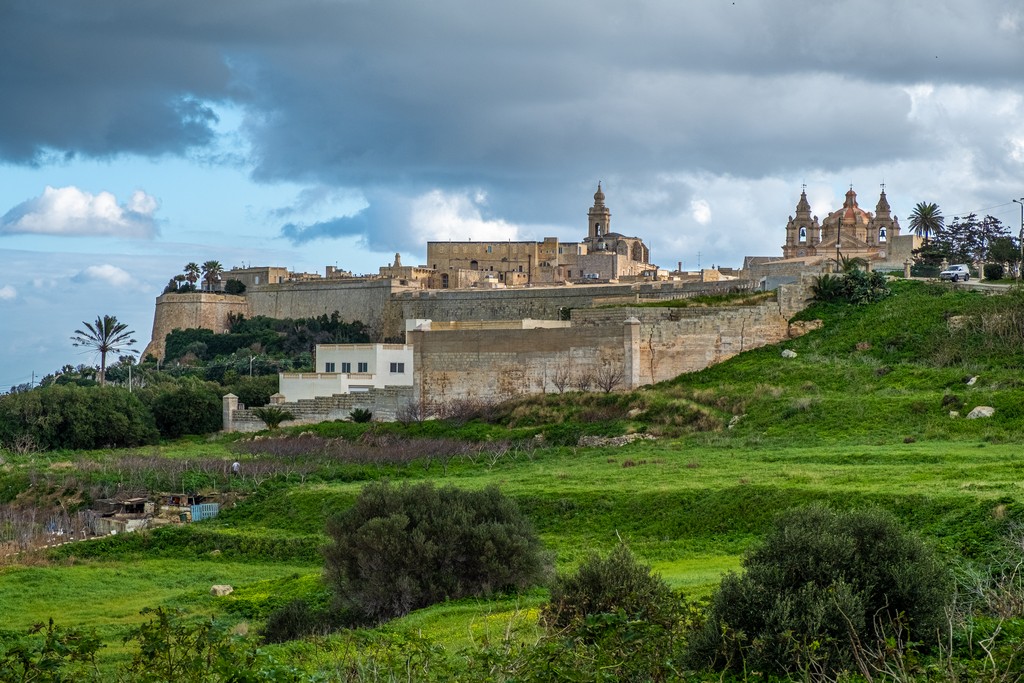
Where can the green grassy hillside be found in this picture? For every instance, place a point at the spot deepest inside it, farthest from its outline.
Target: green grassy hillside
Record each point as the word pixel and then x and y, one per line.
pixel 859 418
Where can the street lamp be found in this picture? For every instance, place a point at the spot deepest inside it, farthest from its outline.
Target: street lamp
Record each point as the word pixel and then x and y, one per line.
pixel 1020 238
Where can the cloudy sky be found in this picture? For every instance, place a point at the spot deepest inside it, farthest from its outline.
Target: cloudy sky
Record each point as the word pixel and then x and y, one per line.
pixel 138 136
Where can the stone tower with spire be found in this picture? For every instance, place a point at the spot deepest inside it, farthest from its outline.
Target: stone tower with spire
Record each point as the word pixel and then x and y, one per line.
pixel 803 232
pixel 600 217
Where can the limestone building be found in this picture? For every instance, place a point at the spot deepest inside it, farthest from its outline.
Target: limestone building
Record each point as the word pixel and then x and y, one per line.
pixel 601 255
pixel 850 230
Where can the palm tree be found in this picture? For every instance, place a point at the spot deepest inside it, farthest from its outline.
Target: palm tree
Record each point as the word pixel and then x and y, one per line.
pixel 192 273
pixel 211 273
pixel 105 335
pixel 926 220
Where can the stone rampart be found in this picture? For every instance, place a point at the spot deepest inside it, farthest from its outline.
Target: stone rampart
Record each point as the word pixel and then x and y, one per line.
pixel 368 301
pixel 546 302
pixel 497 365
pixel 384 304
pixel 204 310
pixel 640 345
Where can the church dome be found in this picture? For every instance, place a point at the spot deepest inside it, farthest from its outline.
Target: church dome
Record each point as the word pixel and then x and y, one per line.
pixel 850 212
pixel 599 195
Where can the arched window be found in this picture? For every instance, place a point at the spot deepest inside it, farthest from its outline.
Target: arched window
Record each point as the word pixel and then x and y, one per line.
pixel 473 265
pixel 444 280
pixel 803 234
pixel 881 234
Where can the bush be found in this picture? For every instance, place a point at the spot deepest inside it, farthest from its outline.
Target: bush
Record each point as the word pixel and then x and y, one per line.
pixel 190 407
pixel 400 549
pixel 234 287
pixel 273 416
pixel 608 585
pixel 295 620
pixel 360 415
pixel 994 271
pixel 76 417
pixel 819 582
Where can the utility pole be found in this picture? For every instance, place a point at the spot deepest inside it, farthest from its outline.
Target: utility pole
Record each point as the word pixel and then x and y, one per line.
pixel 1020 238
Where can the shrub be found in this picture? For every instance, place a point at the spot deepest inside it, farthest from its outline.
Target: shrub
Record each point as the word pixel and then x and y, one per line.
pixel 234 287
pixel 76 417
pixel 608 585
pixel 273 416
pixel 295 620
pixel 820 582
pixel 400 549
pixel 993 271
pixel 190 407
pixel 360 415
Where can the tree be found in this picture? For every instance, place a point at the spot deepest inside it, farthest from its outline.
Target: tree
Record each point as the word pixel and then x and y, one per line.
pixel 926 219
pixel 192 273
pixel 211 273
pixel 105 335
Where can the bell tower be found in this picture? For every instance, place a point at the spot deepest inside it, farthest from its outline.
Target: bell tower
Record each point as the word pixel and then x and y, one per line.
pixel 600 217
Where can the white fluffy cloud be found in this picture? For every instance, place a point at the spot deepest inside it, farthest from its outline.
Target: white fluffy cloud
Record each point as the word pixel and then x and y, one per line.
pixel 105 273
pixel 439 215
pixel 74 212
pixel 7 293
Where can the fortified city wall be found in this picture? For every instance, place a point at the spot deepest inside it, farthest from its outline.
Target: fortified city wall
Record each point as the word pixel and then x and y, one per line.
pixel 648 344
pixel 384 304
pixel 205 310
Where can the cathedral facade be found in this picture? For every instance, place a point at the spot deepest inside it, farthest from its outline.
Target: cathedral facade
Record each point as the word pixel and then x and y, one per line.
pixel 849 231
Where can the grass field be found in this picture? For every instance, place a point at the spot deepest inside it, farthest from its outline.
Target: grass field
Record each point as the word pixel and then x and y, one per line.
pixel 860 418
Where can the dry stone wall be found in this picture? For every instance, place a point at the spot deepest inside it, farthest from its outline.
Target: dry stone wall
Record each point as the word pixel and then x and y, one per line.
pixel 385 404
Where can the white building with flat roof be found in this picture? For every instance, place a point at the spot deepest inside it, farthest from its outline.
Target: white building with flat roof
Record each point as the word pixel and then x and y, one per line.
pixel 350 369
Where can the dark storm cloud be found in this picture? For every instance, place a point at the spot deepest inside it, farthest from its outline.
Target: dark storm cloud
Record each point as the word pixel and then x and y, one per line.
pixel 532 101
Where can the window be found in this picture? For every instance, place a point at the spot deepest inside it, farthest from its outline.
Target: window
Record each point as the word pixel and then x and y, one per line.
pixel 328 367
pixel 881 234
pixel 363 367
pixel 398 367
pixel 489 249
pixel 803 234
pixel 346 367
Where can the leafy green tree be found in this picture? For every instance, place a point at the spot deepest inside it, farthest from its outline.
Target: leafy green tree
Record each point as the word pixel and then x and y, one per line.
pixel 926 219
pixel 184 407
pixel 234 287
pixel 75 417
pixel 104 336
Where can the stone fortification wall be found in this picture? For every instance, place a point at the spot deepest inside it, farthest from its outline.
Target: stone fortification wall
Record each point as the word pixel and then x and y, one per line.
pixel 545 302
pixel 502 364
pixel 385 405
pixel 673 341
pixel 193 310
pixel 384 304
pixel 364 300
pixel 646 345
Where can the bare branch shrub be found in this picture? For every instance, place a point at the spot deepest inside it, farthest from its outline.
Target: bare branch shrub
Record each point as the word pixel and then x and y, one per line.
pixel 583 380
pixel 562 377
pixel 609 376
